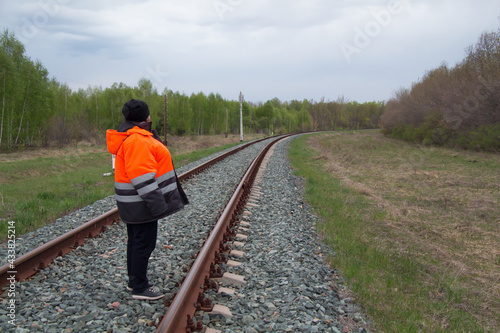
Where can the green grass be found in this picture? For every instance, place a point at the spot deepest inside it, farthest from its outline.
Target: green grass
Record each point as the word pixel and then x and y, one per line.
pixel 36 191
pixel 399 282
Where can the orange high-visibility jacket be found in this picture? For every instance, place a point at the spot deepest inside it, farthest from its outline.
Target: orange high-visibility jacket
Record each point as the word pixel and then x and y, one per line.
pixel 145 180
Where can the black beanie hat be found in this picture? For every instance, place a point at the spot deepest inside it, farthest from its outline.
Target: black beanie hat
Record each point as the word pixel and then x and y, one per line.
pixel 135 110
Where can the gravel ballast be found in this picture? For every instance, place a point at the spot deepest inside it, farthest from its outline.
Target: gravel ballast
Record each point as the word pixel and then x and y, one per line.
pixel 289 287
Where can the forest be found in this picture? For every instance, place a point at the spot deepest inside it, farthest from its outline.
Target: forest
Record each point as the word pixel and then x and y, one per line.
pixel 457 106
pixel 39 111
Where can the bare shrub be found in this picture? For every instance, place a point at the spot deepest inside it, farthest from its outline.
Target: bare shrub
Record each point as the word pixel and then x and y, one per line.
pixel 451 103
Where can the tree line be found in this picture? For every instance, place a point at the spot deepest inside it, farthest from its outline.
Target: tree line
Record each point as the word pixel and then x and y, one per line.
pixel 458 106
pixel 37 110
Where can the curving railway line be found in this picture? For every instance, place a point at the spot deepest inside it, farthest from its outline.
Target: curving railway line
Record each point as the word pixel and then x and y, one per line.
pixel 204 261
pixel 39 258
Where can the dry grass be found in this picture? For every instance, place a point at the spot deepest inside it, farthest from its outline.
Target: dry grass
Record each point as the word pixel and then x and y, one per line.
pixel 32 153
pixel 442 207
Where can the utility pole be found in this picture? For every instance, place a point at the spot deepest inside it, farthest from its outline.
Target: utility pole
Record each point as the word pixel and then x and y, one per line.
pixel 165 119
pixel 241 117
pixel 227 117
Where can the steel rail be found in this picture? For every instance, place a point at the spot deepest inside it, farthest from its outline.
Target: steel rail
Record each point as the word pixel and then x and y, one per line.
pixel 39 258
pixel 42 256
pixel 187 300
pixel 211 162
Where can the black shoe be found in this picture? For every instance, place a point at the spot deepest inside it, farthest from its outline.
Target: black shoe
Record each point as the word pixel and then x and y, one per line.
pixel 148 294
pixel 129 288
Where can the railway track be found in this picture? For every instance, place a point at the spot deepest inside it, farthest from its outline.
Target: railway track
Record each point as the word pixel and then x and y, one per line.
pixel 39 258
pixel 77 294
pixel 215 250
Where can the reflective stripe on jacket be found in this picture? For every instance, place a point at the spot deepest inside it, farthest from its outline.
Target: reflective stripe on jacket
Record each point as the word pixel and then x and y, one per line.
pixel 145 180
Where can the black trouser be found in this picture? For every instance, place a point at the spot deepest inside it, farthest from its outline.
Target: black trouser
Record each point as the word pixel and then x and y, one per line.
pixel 140 245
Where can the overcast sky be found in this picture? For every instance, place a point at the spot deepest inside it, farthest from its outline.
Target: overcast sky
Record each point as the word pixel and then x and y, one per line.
pixel 289 49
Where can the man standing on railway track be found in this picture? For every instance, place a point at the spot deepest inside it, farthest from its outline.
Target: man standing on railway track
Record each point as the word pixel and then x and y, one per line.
pixel 146 190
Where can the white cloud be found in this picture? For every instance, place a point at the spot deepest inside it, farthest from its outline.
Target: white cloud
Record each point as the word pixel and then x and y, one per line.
pixel 285 49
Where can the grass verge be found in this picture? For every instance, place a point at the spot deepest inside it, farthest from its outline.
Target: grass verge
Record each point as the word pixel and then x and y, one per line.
pixel 415 229
pixel 37 191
